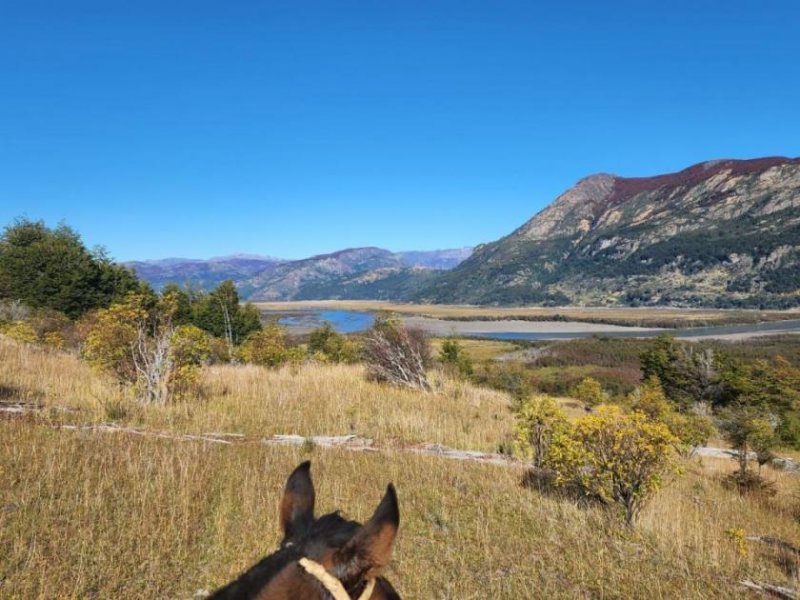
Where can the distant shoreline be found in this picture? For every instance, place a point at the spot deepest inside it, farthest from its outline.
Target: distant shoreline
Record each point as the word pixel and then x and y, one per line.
pixel 640 317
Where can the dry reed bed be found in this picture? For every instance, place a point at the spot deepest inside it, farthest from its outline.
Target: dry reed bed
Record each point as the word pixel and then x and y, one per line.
pixel 92 516
pixel 621 315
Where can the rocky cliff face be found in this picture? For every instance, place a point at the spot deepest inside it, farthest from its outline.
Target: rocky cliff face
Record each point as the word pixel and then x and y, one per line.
pixel 722 233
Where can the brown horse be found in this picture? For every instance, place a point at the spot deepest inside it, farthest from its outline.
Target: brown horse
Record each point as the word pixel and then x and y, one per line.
pixel 321 559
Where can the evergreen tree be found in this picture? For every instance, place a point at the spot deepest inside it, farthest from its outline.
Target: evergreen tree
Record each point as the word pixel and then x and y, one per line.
pixel 51 268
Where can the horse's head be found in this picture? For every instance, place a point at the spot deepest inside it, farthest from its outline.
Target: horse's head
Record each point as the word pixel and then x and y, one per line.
pixel 324 558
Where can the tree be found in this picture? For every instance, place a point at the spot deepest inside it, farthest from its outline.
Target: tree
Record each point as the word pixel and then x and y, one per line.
pixel 687 376
pixel 396 354
pixel 538 421
pixel 51 268
pixel 590 392
pixel 221 314
pixel 454 358
pixel 747 428
pixel 616 457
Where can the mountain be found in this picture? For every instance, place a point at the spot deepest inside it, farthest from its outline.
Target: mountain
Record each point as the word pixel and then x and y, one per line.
pixel 722 233
pixel 287 281
pixel 354 273
pixel 436 259
pixel 204 274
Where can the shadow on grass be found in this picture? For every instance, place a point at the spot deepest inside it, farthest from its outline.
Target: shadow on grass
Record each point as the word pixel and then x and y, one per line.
pixel 543 481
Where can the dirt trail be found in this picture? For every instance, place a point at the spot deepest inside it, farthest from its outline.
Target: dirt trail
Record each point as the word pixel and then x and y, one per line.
pixel 351 442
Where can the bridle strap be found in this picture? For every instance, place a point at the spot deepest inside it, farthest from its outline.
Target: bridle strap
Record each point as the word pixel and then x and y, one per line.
pixel 330 583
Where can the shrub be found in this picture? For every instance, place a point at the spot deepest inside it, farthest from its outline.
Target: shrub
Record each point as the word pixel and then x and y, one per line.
pixel 268 348
pixel 510 377
pixel 327 345
pixel 590 392
pixel 21 331
pixel 454 359
pixel 690 430
pixel 55 340
pixel 748 428
pixel 189 349
pixel 396 354
pixel 137 342
pixel 112 336
pixel 538 421
pixel 616 457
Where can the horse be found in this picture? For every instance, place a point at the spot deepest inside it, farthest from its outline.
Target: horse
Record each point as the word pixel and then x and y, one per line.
pixel 322 558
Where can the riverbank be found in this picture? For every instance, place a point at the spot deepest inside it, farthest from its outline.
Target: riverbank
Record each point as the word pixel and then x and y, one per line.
pixel 648 317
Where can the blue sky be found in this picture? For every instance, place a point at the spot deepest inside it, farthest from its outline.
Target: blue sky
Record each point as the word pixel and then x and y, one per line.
pixel 293 128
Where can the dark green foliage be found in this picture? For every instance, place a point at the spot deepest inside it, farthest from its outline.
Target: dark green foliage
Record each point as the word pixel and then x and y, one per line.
pixel 51 268
pixel 686 374
pixel 184 299
pixel 220 314
pixel 327 343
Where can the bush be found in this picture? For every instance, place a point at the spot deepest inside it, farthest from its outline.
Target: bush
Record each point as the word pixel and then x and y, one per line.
pixel 112 336
pixel 690 430
pixel 189 349
pixel 616 457
pixel 590 392
pixel 510 377
pixel 538 421
pixel 748 428
pixel 396 354
pixel 327 345
pixel 21 331
pixel 137 342
pixel 268 348
pixel 454 359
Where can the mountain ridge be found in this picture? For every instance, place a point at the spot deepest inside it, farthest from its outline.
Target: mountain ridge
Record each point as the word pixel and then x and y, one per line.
pixel 678 239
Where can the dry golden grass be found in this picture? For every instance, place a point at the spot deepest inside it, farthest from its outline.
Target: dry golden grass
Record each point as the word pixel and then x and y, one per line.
pixel 100 515
pixel 619 315
pixel 314 399
pixel 96 515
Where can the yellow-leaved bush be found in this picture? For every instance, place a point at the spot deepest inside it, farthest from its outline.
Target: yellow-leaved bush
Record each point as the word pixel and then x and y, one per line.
pixel 617 457
pixel 21 331
pixel 538 420
pixel 269 348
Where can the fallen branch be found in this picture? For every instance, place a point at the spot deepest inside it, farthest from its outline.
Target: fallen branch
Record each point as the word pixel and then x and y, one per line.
pixel 775 591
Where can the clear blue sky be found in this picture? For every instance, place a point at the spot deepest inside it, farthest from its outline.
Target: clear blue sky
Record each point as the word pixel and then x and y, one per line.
pixel 292 128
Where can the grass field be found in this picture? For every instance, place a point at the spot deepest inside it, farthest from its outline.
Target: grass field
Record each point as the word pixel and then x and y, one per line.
pixel 255 401
pixel 640 317
pixel 97 515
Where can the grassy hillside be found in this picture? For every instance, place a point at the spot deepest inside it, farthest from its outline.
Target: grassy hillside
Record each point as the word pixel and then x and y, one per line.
pixel 94 515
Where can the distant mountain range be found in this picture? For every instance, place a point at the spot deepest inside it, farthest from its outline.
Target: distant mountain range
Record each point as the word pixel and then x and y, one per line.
pixel 364 273
pixel 723 233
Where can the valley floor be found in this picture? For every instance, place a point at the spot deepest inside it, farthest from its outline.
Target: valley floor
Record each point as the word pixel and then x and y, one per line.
pixel 648 317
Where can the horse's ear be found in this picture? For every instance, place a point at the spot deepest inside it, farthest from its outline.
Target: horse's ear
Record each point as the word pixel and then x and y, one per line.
pixel 297 504
pixel 371 546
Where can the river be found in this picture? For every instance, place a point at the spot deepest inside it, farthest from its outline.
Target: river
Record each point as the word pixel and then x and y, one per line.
pixel 349 321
